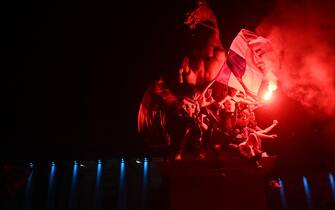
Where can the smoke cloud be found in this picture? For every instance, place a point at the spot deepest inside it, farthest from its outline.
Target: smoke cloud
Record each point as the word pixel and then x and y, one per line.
pixel 303 38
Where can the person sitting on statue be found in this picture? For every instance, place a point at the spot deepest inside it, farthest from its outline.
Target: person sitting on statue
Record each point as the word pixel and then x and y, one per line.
pixel 208 116
pixel 229 104
pixel 206 99
pixel 253 124
pixel 189 112
pixel 248 140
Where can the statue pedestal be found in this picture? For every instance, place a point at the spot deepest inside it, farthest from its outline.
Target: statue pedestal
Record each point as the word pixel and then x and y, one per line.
pixel 231 184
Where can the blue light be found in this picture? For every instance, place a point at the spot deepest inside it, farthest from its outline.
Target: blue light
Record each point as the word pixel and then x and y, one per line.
pixel 74 175
pixel 98 177
pixel 282 195
pixel 122 190
pixel 98 186
pixel 122 167
pixel 145 183
pixel 28 191
pixel 51 177
pixel 71 203
pixel 51 191
pixel 307 193
pixel 31 165
pixel 332 184
pixel 145 172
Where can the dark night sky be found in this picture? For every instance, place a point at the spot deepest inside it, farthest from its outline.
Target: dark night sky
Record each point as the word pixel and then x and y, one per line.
pixel 76 71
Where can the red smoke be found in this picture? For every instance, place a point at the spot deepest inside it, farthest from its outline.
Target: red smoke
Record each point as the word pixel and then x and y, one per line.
pixel 303 34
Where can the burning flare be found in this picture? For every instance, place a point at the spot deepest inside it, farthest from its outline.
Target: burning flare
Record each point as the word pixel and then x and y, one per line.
pixel 268 94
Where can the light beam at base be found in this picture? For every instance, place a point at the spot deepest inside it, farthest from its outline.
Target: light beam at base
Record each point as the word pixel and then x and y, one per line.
pixel 50 202
pixel 307 193
pixel 282 195
pixel 122 187
pixel 332 184
pixel 71 203
pixel 29 191
pixel 98 186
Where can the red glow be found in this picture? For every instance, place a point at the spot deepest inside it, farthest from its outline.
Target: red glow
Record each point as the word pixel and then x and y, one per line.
pixel 272 87
pixel 304 64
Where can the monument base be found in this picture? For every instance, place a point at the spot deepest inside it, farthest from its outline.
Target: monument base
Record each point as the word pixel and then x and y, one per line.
pixel 230 184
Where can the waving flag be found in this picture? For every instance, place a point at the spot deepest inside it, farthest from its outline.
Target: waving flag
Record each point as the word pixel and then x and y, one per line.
pixel 244 67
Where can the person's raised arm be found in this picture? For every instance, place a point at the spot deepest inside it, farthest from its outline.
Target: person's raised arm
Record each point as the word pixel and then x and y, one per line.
pixel 268 129
pixel 245 100
pixel 266 136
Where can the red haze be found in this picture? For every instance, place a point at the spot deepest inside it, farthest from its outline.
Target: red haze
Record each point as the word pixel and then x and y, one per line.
pixel 303 34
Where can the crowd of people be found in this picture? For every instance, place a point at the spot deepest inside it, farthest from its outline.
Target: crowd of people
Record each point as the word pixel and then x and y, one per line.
pixel 229 123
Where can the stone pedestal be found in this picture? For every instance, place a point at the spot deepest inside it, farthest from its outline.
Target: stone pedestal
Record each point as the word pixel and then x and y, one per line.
pixel 231 184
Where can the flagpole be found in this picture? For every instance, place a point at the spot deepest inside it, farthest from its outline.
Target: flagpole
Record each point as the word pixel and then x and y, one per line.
pixel 208 86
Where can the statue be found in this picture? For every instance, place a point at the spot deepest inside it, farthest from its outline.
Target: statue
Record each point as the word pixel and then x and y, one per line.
pixel 168 103
pixel 183 111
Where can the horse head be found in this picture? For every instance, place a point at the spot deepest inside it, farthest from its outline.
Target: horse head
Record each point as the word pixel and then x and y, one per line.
pixel 203 15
